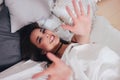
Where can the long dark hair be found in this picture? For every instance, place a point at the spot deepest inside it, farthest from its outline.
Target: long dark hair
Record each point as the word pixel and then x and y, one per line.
pixel 28 50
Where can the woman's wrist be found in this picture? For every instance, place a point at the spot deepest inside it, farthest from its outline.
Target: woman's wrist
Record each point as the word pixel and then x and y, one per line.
pixel 84 40
pixel 81 39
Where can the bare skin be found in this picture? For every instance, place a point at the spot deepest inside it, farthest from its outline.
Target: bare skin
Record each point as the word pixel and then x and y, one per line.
pixel 81 28
pixel 82 23
pixel 55 69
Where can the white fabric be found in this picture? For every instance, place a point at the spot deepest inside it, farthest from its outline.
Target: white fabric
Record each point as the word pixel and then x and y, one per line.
pixel 24 12
pixel 24 75
pixel 23 71
pixel 104 33
pixel 92 62
pixel 60 11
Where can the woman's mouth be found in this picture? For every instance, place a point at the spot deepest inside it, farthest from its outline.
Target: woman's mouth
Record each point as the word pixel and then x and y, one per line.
pixel 52 37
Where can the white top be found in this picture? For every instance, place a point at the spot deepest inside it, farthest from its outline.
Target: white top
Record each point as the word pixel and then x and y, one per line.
pixel 88 62
pixel 92 62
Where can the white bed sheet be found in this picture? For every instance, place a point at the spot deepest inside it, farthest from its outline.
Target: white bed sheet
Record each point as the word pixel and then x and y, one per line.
pixel 23 71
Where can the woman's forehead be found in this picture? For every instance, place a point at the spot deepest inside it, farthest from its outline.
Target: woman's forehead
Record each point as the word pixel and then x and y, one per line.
pixel 35 33
pixel 36 30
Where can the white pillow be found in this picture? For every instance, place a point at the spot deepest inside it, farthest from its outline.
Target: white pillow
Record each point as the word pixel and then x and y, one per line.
pixel 53 23
pixel 24 12
pixel 60 11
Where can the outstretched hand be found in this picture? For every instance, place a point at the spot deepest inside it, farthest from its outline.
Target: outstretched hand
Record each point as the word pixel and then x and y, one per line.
pixel 57 70
pixel 81 22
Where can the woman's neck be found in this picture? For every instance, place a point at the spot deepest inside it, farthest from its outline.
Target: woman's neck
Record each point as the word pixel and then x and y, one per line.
pixel 61 50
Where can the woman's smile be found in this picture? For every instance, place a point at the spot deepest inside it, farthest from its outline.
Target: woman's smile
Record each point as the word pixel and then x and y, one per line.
pixel 52 38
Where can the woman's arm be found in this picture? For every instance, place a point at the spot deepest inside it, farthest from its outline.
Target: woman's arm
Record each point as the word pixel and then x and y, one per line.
pixel 81 28
pixel 80 40
pixel 81 23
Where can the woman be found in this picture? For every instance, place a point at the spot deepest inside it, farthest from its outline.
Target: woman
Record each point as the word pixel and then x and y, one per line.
pixel 40 37
pixel 84 65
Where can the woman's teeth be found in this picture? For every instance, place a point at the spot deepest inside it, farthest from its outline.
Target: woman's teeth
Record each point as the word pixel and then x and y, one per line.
pixel 51 39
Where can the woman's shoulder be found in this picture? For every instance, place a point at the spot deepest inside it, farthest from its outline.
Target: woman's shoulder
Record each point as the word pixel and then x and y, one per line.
pixel 92 49
pixel 95 45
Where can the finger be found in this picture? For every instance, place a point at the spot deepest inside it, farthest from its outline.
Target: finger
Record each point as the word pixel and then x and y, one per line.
pixel 40 74
pixel 81 8
pixel 70 13
pixel 75 8
pixel 67 27
pixel 53 58
pixel 88 12
pixel 52 78
pixel 49 78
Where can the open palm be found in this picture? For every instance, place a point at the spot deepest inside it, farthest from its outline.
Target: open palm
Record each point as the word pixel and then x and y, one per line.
pixel 58 70
pixel 81 22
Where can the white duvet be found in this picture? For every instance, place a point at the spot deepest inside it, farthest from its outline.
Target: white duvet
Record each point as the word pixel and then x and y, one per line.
pixel 92 62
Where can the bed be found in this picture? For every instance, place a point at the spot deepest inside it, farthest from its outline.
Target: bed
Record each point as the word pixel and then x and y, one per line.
pixel 103 32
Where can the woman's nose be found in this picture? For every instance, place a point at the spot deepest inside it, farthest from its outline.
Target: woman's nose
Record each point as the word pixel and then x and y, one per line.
pixel 47 35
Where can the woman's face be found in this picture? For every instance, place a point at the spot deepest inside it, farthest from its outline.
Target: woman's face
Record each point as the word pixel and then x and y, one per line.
pixel 44 39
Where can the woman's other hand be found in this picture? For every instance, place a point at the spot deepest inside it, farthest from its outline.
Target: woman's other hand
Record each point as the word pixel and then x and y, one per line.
pixel 58 70
pixel 81 22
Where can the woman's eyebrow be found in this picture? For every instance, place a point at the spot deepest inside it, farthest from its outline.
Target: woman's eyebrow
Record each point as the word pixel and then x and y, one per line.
pixel 40 29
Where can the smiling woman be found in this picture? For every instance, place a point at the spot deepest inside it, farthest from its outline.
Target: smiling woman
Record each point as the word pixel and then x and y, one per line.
pixel 28 50
pixel 87 60
pixel 44 39
pixel 36 41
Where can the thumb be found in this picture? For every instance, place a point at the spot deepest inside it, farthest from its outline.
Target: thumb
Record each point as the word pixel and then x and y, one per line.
pixel 40 74
pixel 53 58
pixel 67 27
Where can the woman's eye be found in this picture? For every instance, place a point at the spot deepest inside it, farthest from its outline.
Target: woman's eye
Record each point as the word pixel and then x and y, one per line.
pixel 42 30
pixel 40 39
